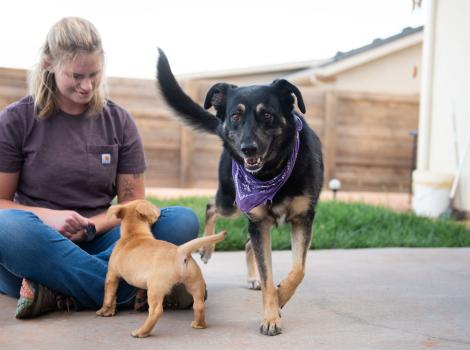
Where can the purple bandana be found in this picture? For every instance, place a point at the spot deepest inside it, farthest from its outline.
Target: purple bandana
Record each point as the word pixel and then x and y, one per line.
pixel 251 192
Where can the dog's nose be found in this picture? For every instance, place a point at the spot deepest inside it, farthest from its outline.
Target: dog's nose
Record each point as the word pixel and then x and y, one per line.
pixel 250 149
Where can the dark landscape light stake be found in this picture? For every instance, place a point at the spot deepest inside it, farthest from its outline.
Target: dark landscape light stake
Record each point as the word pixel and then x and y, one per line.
pixel 335 186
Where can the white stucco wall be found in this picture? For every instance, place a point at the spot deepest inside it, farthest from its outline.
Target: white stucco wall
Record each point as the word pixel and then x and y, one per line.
pixel 449 79
pixel 451 90
pixel 393 73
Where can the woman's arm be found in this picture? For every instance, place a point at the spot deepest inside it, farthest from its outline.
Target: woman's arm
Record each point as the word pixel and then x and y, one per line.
pixel 8 185
pixel 129 187
pixel 67 222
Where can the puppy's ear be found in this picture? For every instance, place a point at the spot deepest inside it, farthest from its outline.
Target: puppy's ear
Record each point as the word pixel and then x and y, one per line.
pixel 286 90
pixel 116 210
pixel 217 96
pixel 148 212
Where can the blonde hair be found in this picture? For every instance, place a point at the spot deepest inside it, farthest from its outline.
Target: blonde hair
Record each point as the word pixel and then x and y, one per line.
pixel 65 40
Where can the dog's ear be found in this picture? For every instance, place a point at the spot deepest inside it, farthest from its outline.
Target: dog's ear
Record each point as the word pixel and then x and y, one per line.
pixel 217 96
pixel 148 212
pixel 116 210
pixel 287 89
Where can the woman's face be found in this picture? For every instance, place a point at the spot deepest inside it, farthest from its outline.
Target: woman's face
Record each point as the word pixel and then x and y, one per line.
pixel 77 80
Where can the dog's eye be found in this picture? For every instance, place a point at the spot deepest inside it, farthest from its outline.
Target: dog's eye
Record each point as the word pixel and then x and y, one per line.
pixel 235 117
pixel 268 115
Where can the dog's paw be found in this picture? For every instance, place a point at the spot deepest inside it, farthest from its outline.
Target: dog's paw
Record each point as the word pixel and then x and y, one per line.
pixel 139 334
pixel 254 283
pixel 271 326
pixel 198 325
pixel 206 253
pixel 106 311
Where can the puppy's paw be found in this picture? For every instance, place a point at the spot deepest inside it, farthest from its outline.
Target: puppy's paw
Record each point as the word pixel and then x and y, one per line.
pixel 106 311
pixel 206 253
pixel 138 333
pixel 198 325
pixel 254 283
pixel 271 326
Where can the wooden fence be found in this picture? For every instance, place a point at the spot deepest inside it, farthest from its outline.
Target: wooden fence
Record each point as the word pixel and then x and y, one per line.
pixel 365 136
pixel 367 140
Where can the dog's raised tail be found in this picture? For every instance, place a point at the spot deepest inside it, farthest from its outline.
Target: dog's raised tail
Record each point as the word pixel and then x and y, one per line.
pixel 187 109
pixel 197 243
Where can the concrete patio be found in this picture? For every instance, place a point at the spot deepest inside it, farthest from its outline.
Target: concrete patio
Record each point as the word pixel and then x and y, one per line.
pixel 350 299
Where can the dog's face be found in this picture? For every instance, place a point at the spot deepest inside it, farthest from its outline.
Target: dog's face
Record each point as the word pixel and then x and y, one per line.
pixel 139 209
pixel 256 120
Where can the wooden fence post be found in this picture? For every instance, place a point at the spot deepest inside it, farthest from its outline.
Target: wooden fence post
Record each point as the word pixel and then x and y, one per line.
pixel 185 157
pixel 186 137
pixel 329 142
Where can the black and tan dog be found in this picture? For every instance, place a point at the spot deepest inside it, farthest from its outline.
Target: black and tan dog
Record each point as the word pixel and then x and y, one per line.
pixel 271 169
pixel 155 265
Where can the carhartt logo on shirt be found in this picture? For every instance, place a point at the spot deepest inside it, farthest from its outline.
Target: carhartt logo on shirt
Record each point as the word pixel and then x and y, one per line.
pixel 105 158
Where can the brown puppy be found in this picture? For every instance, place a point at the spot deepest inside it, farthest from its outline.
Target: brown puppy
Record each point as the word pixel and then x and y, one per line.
pixel 155 265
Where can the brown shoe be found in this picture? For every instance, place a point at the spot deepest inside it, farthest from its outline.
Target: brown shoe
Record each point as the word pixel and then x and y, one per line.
pixel 178 299
pixel 140 302
pixel 35 299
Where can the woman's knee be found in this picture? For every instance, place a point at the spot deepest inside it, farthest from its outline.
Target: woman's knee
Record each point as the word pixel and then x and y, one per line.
pixel 14 225
pixel 189 222
pixel 177 225
pixel 23 233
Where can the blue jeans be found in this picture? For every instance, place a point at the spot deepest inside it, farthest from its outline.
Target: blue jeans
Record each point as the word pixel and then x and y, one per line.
pixel 29 248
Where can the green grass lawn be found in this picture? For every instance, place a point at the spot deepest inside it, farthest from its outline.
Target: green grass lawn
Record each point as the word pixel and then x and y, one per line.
pixel 345 225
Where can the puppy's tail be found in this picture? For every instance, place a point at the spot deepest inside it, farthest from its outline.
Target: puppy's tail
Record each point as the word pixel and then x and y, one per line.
pixel 197 243
pixel 188 110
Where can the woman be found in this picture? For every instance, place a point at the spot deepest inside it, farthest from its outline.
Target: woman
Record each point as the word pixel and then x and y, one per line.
pixel 65 153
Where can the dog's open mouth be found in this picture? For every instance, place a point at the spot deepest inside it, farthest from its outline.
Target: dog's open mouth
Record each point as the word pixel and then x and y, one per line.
pixel 253 164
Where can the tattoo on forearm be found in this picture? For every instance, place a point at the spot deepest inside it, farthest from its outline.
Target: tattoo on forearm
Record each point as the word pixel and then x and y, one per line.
pixel 128 190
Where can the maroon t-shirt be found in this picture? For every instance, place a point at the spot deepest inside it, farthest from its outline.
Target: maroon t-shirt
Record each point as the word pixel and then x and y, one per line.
pixel 68 161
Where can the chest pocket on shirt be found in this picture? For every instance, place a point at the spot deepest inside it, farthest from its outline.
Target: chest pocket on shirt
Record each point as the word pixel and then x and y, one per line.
pixel 102 167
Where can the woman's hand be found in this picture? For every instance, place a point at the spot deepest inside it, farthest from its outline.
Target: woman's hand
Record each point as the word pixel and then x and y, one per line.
pixel 68 222
pixel 80 236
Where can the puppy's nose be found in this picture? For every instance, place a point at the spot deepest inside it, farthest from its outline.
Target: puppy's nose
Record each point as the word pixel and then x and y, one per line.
pixel 249 149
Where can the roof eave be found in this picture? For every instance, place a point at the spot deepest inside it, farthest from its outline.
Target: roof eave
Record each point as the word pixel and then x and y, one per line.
pixel 342 65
